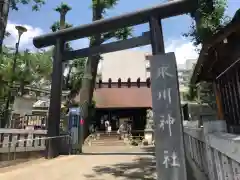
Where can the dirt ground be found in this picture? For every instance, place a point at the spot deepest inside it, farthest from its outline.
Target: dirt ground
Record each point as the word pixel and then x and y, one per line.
pixel 86 166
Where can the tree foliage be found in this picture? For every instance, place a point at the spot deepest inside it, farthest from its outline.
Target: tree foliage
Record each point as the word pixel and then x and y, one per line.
pixel 192 92
pixel 209 21
pixel 31 68
pixel 36 4
pixel 75 76
pixel 63 8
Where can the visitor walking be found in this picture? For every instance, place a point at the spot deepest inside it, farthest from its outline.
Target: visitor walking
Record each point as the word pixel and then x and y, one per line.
pixel 120 131
pixel 109 129
pixel 106 125
pixel 129 129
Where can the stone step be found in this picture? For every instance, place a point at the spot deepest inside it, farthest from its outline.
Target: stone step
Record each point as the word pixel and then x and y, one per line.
pixel 106 135
pixel 107 139
pixel 111 135
pixel 107 144
pixel 103 133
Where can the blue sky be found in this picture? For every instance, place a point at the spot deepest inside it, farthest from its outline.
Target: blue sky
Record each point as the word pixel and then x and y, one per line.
pixel 39 23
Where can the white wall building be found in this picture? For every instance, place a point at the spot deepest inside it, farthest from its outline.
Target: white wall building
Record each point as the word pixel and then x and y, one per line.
pixel 184 75
pixel 124 64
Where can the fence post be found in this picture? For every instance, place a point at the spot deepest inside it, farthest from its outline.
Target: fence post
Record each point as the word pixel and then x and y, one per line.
pixel 15 149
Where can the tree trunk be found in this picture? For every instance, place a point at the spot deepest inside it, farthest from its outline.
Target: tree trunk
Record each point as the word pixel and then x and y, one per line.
pixel 4 10
pixel 62 20
pixel 22 87
pixel 86 92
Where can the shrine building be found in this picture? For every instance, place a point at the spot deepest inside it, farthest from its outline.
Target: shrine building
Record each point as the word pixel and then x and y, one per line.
pixel 123 93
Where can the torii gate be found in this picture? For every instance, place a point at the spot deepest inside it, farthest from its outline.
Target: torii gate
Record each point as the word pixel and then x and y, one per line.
pixel 165 94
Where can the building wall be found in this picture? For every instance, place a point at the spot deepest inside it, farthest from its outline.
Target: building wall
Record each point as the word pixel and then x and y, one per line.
pixel 190 63
pixel 184 75
pixel 124 64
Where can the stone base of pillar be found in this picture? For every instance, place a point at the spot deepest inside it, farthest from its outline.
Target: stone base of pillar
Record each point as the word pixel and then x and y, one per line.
pixel 148 136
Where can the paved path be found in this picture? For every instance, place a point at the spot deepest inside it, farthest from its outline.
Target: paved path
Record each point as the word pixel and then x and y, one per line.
pixel 91 167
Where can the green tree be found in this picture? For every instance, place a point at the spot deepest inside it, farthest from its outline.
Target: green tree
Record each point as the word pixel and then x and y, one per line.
pixel 32 69
pixel 42 66
pixel 6 5
pixel 99 9
pixel 73 79
pixel 205 23
pixel 5 75
pixel 63 9
pixel 209 21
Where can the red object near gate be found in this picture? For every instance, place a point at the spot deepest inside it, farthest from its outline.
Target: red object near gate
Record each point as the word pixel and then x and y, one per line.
pixel 81 122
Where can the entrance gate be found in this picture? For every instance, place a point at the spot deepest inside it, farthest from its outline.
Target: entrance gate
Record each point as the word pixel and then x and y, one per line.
pixel 169 148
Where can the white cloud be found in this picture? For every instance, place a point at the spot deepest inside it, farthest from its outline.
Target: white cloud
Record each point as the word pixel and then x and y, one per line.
pixel 26 38
pixel 182 48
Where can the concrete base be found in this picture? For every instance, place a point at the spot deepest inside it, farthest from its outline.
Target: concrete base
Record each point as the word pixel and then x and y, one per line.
pixel 148 136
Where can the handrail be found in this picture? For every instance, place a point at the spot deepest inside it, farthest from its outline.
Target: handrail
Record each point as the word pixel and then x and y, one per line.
pixel 225 143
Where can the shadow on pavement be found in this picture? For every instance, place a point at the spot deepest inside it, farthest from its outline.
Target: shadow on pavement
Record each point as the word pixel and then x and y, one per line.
pixel 142 167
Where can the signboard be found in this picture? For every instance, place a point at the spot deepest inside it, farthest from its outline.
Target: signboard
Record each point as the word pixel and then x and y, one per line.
pixel 23 105
pixel 170 155
pixel 75 130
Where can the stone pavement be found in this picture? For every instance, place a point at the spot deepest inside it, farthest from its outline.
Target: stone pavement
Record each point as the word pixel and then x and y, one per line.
pixel 87 167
